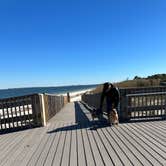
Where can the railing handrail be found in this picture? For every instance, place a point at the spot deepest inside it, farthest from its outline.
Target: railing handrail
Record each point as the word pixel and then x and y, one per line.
pixel 145 94
pixel 147 87
pixel 18 97
pixel 128 93
pixel 29 110
pixel 52 94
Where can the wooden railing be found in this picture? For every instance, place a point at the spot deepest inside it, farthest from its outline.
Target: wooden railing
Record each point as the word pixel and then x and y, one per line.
pixel 124 109
pixel 92 100
pixel 53 104
pixel 29 111
pixel 124 115
pixel 146 105
pixel 20 112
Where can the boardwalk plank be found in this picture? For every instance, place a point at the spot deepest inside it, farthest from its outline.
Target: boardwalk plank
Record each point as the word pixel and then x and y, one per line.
pixel 53 149
pixel 129 154
pixel 95 150
pixel 151 142
pixel 67 148
pixel 74 148
pixel 157 128
pixel 110 149
pixel 151 137
pixel 35 145
pixel 45 151
pixel 134 148
pixel 102 149
pixel 7 140
pixel 19 147
pixel 160 135
pixel 139 157
pixel 88 148
pixel 116 147
pixel 156 152
pixel 81 153
pixel 22 156
pixel 161 123
pixel 140 149
pixel 12 146
pixel 72 144
pixel 36 155
pixel 151 153
pixel 60 149
pixel 4 137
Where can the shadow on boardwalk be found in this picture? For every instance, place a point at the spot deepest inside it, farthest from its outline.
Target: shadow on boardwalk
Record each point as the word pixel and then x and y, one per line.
pixel 82 121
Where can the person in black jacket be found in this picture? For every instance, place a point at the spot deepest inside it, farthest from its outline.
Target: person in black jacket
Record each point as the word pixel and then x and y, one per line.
pixel 112 97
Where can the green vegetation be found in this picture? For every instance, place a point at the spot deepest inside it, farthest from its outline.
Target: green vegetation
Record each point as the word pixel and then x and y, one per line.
pixel 154 80
pixel 142 82
pixel 161 77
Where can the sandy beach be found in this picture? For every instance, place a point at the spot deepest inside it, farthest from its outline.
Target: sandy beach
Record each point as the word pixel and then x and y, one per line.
pixel 76 96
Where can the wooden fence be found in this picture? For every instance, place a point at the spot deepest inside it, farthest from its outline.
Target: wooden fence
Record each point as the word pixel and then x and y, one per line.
pixel 124 109
pixel 146 105
pixel 93 100
pixel 53 104
pixel 29 111
pixel 124 114
pixel 20 112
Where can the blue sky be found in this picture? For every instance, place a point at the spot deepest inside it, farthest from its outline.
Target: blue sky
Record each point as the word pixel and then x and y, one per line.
pixel 66 42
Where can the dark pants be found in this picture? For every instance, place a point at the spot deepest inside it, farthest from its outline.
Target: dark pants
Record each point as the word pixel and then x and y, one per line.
pixel 111 105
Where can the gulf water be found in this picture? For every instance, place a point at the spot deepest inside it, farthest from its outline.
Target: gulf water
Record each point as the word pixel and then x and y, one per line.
pixel 7 93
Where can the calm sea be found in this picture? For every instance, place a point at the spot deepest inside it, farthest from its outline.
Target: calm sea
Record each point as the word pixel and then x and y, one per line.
pixel 6 93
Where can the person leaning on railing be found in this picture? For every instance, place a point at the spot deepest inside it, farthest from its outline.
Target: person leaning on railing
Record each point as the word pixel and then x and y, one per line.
pixel 112 98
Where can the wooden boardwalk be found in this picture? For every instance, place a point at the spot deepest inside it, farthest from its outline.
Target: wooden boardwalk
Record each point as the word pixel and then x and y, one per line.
pixel 72 139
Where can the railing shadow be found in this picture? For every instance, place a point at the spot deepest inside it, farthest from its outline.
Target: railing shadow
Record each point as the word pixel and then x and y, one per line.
pixel 82 121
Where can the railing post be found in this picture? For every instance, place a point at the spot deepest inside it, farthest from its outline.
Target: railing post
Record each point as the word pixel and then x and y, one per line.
pixel 127 110
pixel 68 97
pixel 43 110
pixel 165 108
pixel 36 109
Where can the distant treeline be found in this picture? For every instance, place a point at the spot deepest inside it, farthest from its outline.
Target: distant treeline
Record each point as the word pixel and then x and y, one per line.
pixel 154 80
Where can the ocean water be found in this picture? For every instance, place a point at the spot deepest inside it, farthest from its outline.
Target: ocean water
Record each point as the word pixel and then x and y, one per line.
pixel 6 93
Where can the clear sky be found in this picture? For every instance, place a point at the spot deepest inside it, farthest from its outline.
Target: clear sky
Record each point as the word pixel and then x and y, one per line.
pixel 66 42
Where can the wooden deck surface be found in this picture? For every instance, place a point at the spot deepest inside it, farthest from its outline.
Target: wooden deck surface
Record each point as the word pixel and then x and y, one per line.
pixel 72 139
